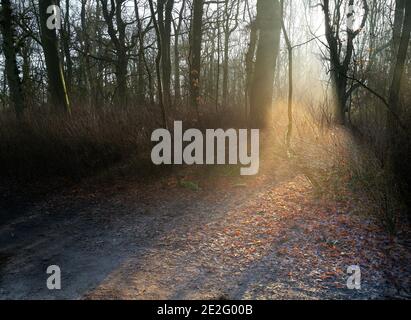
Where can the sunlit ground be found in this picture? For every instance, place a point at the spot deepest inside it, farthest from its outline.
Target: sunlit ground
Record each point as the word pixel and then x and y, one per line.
pixel 289 238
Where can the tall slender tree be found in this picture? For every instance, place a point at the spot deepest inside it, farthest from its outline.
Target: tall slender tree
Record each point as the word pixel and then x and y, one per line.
pixel 56 83
pixel 116 28
pixel 195 52
pixel 228 30
pixel 177 30
pixel 164 13
pixel 12 72
pixel 66 44
pixel 158 61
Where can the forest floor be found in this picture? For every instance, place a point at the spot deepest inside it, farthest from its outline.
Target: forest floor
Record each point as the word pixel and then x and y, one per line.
pixel 198 233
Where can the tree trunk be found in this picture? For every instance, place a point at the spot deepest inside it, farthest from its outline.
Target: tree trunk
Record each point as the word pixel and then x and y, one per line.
pixel 158 61
pixel 122 61
pixel 86 59
pixel 225 70
pixel 225 62
pixel 12 71
pixel 290 81
pixel 56 83
pixel 121 73
pixel 249 66
pixel 337 69
pixel 66 37
pixel 141 58
pixel 217 90
pixel 393 99
pixel 340 69
pixel 27 81
pixel 164 12
pixel 117 35
pixel 195 53
pixel 141 97
pixel 398 22
pixel 269 27
pixel 177 87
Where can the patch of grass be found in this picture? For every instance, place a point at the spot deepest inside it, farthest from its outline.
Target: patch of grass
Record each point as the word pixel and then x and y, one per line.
pixel 191 185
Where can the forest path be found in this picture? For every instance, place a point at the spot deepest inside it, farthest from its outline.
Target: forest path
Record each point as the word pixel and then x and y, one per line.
pixel 205 233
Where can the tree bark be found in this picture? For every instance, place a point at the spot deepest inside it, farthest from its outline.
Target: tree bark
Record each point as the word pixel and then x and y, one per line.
pixel 195 53
pixel 117 35
pixel 290 80
pixel 227 33
pixel 177 87
pixel 141 58
pixel 249 66
pixel 340 68
pixel 12 72
pixel 393 99
pixel 56 83
pixel 269 26
pixel 225 62
pixel 158 61
pixel 66 39
pixel 164 12
pixel 86 57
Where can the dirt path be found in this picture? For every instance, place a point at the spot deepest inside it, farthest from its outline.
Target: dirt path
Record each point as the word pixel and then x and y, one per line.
pixel 236 238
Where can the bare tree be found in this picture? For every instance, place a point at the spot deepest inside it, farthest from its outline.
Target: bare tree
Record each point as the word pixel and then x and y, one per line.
pixel 56 82
pixel 158 61
pixel 164 13
pixel 177 30
pixel 117 33
pixel 290 78
pixel 12 72
pixel 340 66
pixel 268 23
pixel 228 30
pixel 195 53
